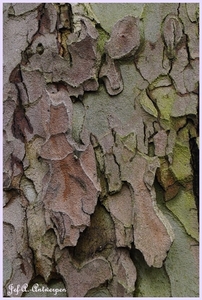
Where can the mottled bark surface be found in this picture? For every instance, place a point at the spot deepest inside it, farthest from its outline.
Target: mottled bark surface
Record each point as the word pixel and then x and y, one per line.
pixel 101 150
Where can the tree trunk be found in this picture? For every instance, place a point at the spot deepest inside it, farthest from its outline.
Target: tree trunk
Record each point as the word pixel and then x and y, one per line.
pixel 101 150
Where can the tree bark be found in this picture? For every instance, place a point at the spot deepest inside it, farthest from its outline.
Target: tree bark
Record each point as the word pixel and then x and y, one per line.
pixel 101 161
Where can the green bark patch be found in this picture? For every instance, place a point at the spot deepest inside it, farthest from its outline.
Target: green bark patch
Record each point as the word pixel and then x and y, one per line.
pixel 181 167
pixel 182 263
pixel 148 106
pixel 114 12
pixel 164 98
pixel 103 37
pixel 151 282
pixel 184 208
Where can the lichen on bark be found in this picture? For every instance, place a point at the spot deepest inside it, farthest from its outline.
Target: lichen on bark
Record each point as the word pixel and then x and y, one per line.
pixel 100 149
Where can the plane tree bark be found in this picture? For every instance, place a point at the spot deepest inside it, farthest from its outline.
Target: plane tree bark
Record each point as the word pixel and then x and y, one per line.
pixel 101 150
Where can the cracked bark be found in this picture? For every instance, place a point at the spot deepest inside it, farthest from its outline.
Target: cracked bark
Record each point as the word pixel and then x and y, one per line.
pixel 101 149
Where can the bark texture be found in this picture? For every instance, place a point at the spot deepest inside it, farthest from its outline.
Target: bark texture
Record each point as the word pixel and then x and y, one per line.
pixel 101 150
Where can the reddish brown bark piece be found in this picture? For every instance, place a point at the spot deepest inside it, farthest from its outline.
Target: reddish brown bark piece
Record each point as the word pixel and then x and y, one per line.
pixel 120 206
pixel 71 197
pixel 125 38
pixel 123 283
pixel 58 119
pixel 84 56
pixel 56 148
pixel 79 280
pixel 150 234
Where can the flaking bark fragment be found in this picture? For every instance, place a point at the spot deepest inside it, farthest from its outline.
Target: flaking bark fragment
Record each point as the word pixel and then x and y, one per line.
pixel 101 148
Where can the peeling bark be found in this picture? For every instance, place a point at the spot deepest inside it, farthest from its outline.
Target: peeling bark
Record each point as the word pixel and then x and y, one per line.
pixel 100 166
